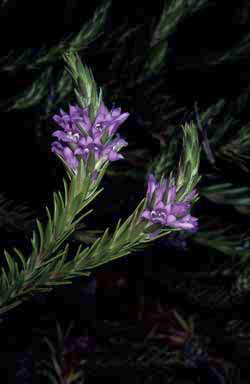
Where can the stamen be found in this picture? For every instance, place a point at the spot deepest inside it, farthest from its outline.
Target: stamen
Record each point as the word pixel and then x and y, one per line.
pixel 153 214
pixel 99 126
pixel 162 215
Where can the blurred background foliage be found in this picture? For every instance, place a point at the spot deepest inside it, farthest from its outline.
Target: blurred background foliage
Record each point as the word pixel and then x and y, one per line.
pixel 165 63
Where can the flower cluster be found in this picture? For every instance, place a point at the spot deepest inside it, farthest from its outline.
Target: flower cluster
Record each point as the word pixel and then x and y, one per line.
pixel 80 136
pixel 163 208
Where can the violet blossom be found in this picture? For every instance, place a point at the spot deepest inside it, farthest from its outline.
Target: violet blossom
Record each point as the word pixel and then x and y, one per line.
pixel 164 210
pixel 80 136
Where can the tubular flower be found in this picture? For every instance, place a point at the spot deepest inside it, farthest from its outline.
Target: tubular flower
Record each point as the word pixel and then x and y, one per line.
pixel 79 136
pixel 163 208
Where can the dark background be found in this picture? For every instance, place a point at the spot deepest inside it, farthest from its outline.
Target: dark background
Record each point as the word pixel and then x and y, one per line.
pixel 29 172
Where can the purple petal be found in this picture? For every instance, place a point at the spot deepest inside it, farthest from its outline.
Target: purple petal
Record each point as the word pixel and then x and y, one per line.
pixel 151 186
pixel 180 209
pixel 171 194
pixel 170 219
pixel 117 122
pixel 78 151
pixel 57 118
pixel 118 143
pixel 73 110
pixel 116 112
pixel 57 148
pixel 159 205
pixel 103 110
pixel 113 156
pixel 191 195
pixel 160 193
pixel 188 222
pixel 70 158
pixel 184 225
pixel 146 215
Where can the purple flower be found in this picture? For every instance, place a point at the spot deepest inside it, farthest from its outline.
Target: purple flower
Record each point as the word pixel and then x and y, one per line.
pixel 79 136
pixel 163 208
pixel 69 121
pixel 108 121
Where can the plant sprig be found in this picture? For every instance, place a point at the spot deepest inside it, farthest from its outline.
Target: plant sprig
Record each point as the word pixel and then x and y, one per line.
pixel 46 241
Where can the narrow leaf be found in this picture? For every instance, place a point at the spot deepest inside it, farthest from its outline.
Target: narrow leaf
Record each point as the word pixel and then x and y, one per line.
pixel 92 197
pixel 101 244
pixel 49 228
pixel 10 306
pixel 58 282
pixel 34 243
pixel 55 216
pixel 82 217
pixel 9 261
pixel 65 192
pixel 62 239
pixel 21 256
pixel 61 200
pixel 5 278
pixel 40 229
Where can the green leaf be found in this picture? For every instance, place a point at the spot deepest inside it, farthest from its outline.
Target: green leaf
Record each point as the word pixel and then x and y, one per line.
pixel 34 242
pixel 48 231
pixel 5 279
pixel 35 93
pixel 51 259
pixel 78 252
pixel 78 274
pixel 40 228
pixel 55 216
pixel 21 257
pixel 106 260
pixel 127 224
pixel 43 290
pixel 85 187
pixel 76 205
pixel 43 272
pixel 65 192
pixel 63 222
pixel 91 197
pixel 227 193
pixel 62 239
pixel 69 171
pixel 58 267
pixel 87 253
pixel 9 261
pixel 72 189
pixel 101 174
pixel 16 272
pixel 10 306
pixel 62 206
pixel 58 283
pixel 81 175
pixel 104 239
pixel 31 262
pixel 81 217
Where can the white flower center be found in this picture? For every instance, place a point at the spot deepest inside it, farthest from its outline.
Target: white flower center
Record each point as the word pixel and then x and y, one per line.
pixel 99 126
pixel 74 136
pixel 158 215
